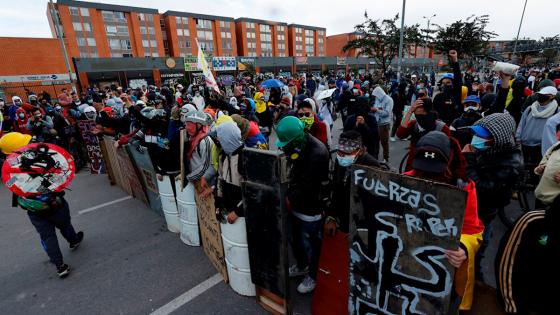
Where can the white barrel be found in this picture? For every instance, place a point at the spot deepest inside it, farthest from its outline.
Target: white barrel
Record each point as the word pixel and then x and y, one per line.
pixel 168 203
pixel 187 214
pixel 236 252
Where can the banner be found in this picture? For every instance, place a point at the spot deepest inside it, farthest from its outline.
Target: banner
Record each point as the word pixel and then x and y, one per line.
pixel 224 63
pixel 244 62
pixel 401 227
pixel 92 145
pixel 226 79
pixel 340 61
pixel 191 63
pixel 131 177
pixel 301 60
pixel 203 65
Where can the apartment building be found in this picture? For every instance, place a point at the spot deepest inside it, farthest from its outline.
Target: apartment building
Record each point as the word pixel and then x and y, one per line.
pixel 260 38
pixel 216 34
pixel 307 41
pixel 106 30
pixel 336 42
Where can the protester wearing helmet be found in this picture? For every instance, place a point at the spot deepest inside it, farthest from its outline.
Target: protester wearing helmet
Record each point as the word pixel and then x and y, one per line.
pixel 309 168
pixel 199 149
pixel 448 102
pixel 47 212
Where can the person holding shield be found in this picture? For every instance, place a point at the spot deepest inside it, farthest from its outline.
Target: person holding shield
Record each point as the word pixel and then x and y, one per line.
pixel 40 168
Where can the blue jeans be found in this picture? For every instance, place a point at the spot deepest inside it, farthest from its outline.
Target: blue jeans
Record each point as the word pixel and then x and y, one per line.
pixel 306 243
pixel 46 225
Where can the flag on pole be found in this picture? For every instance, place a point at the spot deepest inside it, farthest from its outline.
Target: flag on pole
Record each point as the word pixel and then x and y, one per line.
pixel 203 65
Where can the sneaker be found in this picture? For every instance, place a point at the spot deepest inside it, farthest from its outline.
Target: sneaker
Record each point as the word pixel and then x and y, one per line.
pixel 80 235
pixel 306 286
pixel 295 271
pixel 62 270
pixel 393 139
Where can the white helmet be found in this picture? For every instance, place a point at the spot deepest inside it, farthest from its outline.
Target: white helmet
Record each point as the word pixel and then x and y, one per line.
pixel 90 112
pixel 185 109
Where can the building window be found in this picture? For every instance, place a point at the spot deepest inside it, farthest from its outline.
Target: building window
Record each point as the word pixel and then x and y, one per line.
pixel 298 29
pixel 73 11
pixel 81 41
pixel 91 41
pixel 122 29
pixel 151 30
pixel 77 26
pixel 321 33
pixel 153 43
pixel 115 44
pixel 125 44
pixel 200 23
pixel 87 27
pixel 143 30
pixel 111 29
pixel 249 25
pixel 280 28
pixel 145 43
pixel 299 39
pixel 264 28
pixel 224 24
pixel 141 16
pixel 204 35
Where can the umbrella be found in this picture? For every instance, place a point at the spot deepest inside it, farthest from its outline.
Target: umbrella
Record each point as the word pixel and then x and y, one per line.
pixel 325 94
pixel 37 169
pixel 272 83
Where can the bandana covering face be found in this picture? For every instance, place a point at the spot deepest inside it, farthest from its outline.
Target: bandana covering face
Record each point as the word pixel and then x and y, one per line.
pixel 308 122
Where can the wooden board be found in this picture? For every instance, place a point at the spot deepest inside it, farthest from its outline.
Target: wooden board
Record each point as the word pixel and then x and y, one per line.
pixel 266 219
pixel 92 145
pixel 183 138
pixel 108 166
pixel 131 175
pixel 330 296
pixel 118 171
pixel 210 232
pixel 147 175
pixel 397 262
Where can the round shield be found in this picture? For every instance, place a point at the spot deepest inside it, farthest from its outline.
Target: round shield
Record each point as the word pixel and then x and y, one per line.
pixel 38 168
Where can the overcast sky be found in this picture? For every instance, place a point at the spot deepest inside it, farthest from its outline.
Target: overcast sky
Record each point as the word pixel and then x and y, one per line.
pixel 27 18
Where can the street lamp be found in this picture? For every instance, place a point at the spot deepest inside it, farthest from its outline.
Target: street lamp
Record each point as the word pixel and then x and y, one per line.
pixel 401 43
pixel 428 31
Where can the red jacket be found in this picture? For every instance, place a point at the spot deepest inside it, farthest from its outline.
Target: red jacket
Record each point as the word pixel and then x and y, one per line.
pixel 319 130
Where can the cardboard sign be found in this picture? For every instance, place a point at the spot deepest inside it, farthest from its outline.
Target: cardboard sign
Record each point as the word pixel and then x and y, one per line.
pixel 139 155
pixel 210 232
pixel 266 219
pixel 130 175
pixel 397 262
pixel 108 165
pixel 92 145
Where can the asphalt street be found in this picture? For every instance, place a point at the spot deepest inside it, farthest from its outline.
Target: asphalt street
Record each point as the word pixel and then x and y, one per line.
pixel 128 263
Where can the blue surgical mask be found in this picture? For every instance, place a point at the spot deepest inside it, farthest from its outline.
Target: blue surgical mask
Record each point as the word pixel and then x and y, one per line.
pixel 479 143
pixel 345 161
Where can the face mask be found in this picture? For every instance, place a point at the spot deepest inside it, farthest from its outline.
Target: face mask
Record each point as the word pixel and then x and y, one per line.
pixel 58 108
pixel 21 115
pixel 308 122
pixel 471 108
pixel 479 143
pixel 355 91
pixel 426 122
pixel 345 161
pixel 448 89
pixel 542 98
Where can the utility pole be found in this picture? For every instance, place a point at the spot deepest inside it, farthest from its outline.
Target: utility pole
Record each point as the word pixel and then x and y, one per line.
pixel 427 34
pixel 518 31
pixel 58 29
pixel 399 62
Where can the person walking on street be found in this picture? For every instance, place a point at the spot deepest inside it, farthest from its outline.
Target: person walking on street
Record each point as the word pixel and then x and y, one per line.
pixel 47 212
pixel 383 111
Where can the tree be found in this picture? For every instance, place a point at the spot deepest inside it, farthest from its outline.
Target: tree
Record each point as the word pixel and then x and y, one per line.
pixel 468 37
pixel 551 46
pixel 380 39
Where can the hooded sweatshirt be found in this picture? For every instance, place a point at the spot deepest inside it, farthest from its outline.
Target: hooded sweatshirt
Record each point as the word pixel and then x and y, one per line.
pixel 384 105
pixel 533 121
pixel 230 168
pixel 496 170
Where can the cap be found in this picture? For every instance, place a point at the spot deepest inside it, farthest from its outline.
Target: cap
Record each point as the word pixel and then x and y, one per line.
pixel 548 90
pixel 432 152
pixel 472 99
pixel 449 76
pixel 349 145
pixel 481 131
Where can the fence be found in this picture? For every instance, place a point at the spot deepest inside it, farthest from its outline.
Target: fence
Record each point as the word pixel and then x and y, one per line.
pixel 22 89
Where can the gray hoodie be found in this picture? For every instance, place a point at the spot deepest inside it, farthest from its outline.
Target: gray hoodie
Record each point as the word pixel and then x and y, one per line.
pixel 384 105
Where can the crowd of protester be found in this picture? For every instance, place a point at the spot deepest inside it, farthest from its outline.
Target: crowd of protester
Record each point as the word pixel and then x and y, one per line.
pixel 481 132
